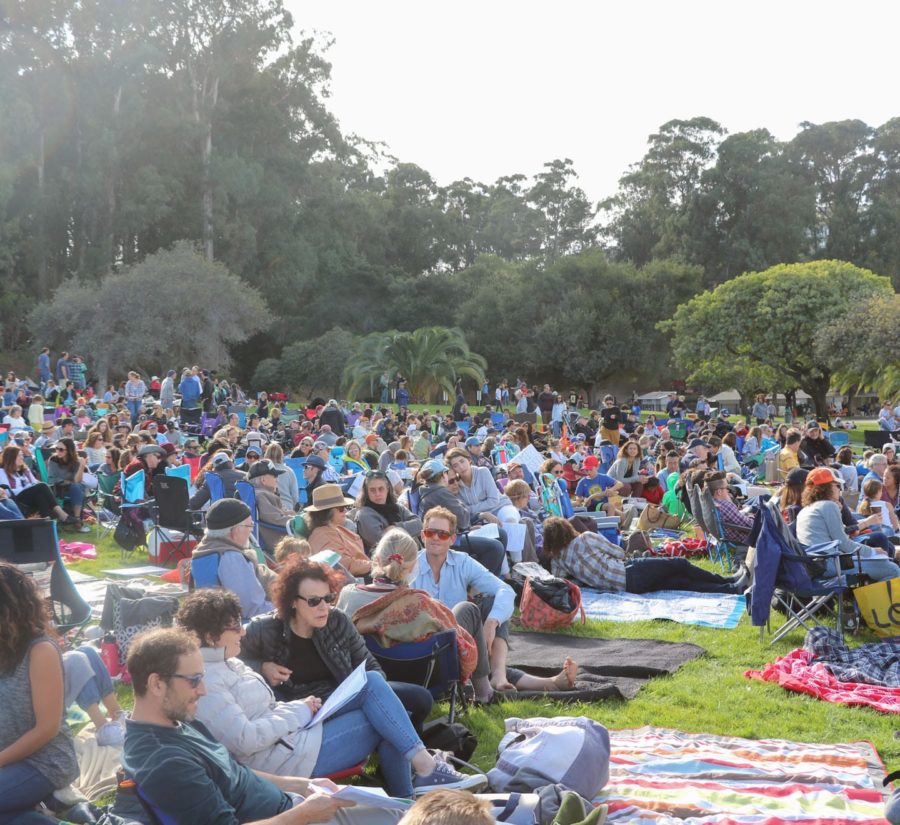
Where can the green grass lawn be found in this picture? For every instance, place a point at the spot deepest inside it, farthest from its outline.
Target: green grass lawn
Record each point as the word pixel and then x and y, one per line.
pixel 709 694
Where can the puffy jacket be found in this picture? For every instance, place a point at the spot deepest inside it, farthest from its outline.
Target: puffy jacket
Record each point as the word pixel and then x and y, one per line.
pixel 338 643
pixel 371 525
pixel 241 711
pixel 190 389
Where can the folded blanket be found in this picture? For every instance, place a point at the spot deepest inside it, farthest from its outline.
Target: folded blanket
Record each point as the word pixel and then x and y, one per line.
pixel 875 663
pixel 799 672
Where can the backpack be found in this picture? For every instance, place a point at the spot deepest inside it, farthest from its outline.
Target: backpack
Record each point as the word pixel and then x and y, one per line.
pixel 550 603
pixel 129 533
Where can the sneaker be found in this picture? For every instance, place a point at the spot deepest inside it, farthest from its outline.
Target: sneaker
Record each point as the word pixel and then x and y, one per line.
pixel 443 776
pixel 82 528
pixel 111 734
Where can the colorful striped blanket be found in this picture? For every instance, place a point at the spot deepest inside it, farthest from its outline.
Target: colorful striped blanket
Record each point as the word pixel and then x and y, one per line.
pixel 664 777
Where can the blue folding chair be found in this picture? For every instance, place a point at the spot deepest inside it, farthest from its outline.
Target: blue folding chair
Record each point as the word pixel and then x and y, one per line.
pixel 215 485
pixel 497 420
pixel 132 488
pixel 465 426
pixel 838 438
pixel 247 493
pixel 181 471
pixel 432 663
pixel 296 466
pixel 32 541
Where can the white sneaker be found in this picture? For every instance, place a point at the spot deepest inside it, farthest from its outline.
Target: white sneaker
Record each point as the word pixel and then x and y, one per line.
pixel 84 528
pixel 111 734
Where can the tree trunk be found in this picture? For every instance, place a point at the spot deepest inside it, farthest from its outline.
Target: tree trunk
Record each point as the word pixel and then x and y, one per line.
pixel 40 230
pixel 108 254
pixel 210 97
pixel 818 391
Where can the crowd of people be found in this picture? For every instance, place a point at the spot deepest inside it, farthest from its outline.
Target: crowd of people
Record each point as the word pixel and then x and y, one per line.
pixel 376 535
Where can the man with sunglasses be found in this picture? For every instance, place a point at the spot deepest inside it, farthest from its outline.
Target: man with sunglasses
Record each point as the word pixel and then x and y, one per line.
pixel 181 771
pixel 448 575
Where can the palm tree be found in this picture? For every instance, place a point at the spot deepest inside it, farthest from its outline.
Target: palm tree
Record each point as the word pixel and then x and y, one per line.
pixel 430 359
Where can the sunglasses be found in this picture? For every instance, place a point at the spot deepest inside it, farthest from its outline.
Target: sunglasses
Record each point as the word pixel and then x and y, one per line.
pixel 315 601
pixel 443 535
pixel 194 681
pixel 376 474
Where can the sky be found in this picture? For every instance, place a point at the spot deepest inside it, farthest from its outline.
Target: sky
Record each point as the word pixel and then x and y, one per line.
pixel 490 88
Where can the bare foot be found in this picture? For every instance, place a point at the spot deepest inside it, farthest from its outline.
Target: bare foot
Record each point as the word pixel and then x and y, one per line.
pixel 565 679
pixel 501 683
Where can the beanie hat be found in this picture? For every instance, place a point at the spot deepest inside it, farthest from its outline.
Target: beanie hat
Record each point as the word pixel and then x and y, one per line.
pixel 225 513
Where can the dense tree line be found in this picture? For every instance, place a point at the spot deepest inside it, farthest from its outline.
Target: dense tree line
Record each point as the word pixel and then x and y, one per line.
pixel 129 127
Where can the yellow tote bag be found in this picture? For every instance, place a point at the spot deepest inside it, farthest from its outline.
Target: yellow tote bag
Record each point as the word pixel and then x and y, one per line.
pixel 879 605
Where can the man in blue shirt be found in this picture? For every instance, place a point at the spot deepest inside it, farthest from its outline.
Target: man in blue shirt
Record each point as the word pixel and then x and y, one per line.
pixel 182 772
pixel 43 366
pixel 447 575
pixel 62 372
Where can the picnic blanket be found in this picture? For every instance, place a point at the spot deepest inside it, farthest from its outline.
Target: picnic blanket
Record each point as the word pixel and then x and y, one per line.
pixel 876 663
pixel 684 607
pixel 607 668
pixel 664 777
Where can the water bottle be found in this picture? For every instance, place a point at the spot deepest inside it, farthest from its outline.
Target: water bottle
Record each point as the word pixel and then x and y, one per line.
pixel 109 653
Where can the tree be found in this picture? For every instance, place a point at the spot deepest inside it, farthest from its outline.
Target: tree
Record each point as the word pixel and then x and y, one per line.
pixel 770 319
pixel 319 362
pixel 430 359
pixel 568 214
pixel 863 348
pixel 173 308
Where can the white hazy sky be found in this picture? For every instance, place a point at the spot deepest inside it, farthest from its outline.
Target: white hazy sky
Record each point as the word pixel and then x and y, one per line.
pixel 484 89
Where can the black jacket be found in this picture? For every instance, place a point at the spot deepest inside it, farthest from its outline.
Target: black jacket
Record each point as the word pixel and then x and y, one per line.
pixel 334 418
pixel 338 643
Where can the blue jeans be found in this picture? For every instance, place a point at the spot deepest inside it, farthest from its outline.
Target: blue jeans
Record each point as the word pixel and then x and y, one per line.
pixel 73 492
pixel 21 788
pixel 87 679
pixel 10 510
pixel 134 407
pixel 373 720
pixel 878 569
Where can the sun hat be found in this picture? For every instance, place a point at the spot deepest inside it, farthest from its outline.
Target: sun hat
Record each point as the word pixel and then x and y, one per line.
pixel 327 497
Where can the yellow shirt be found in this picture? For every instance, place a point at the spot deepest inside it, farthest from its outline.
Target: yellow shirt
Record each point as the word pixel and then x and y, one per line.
pixel 787 460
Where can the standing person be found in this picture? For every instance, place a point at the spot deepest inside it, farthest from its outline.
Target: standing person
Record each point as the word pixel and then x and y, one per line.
pixel 37 755
pixel 167 393
pixel 760 410
pixel 43 367
pixel 62 368
pixel 135 390
pixel 191 389
pixel 545 404
pixel 610 421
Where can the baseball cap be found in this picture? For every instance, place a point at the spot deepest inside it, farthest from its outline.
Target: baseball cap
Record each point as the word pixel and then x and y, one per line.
pixel 591 462
pixel 697 442
pixel 264 467
pixel 220 459
pixel 797 476
pixel 473 441
pixel 435 467
pixel 151 449
pixel 821 475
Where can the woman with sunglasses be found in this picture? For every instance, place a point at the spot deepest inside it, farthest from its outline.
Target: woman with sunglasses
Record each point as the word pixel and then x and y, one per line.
pixel 37 755
pixel 65 470
pixel 29 494
pixel 304 652
pixel 326 530
pixel 377 509
pixel 353 459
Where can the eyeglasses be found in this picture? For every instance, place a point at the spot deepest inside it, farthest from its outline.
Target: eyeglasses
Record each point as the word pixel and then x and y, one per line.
pixel 557 472
pixel 443 535
pixel 315 601
pixel 194 681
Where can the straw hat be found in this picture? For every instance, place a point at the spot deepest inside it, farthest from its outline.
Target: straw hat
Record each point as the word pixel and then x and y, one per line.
pixel 327 497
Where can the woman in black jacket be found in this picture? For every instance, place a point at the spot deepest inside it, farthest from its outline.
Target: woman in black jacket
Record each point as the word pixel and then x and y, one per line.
pixel 303 655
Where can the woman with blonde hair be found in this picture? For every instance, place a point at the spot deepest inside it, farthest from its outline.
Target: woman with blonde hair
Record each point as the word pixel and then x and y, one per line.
pixel 288 489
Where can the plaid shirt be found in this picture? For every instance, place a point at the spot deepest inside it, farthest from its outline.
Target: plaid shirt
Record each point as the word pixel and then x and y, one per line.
pixel 592 561
pixel 875 663
pixel 735 524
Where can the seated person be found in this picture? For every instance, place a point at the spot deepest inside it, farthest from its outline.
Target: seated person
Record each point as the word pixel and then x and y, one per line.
pixel 224 558
pixel 36 751
pixel 263 476
pixel 478 490
pixel 65 471
pixel 377 509
pixel 393 612
pixel 736 525
pixel 304 653
pixel 240 710
pixel 587 559
pixel 182 772
pixel 820 521
pixel 789 456
pixel 870 506
pixel 728 462
pixel 88 683
pixel 814 445
pixel 448 576
pixel 326 529
pixel 598 491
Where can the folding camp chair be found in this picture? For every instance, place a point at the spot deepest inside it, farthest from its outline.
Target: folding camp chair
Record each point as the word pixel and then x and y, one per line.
pixel 793 575
pixel 215 485
pixel 181 471
pixel 31 541
pixel 247 493
pixel 176 523
pixel 432 663
pixel 132 488
pixel 678 430
pixel 720 549
pixel 296 467
pixel 107 504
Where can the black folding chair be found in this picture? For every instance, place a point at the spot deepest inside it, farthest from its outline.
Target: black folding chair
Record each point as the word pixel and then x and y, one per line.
pixel 173 513
pixel 34 541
